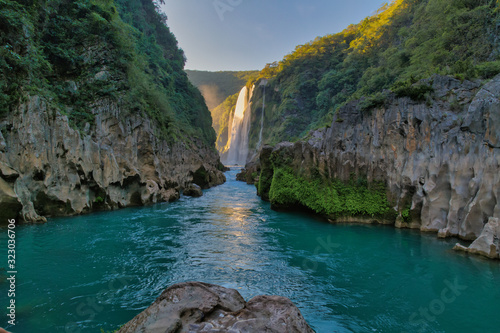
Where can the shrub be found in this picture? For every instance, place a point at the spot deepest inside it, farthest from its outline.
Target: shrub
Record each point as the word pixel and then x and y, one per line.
pixel 373 101
pixel 405 214
pixel 488 69
pixel 416 91
pixel 334 198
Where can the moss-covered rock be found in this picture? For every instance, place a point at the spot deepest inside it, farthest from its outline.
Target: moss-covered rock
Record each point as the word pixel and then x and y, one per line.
pixel 332 198
pixel 288 186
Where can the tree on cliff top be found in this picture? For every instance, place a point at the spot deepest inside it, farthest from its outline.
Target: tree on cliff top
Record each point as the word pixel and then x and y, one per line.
pixel 404 41
pixel 76 53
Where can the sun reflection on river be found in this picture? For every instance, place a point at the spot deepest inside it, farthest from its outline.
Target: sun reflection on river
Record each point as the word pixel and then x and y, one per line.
pixel 231 238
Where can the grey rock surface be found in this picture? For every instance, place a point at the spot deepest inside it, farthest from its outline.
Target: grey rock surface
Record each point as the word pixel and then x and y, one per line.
pixel 439 158
pixel 488 243
pixel 193 190
pixel 55 170
pixel 202 307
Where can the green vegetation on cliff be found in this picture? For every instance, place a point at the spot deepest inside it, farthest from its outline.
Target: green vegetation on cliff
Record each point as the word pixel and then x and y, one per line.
pixel 82 54
pixel 286 187
pixel 335 198
pixel 223 113
pixel 405 41
pixel 220 90
pixel 217 86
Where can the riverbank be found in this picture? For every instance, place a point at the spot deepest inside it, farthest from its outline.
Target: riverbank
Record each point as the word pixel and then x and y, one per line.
pixel 341 277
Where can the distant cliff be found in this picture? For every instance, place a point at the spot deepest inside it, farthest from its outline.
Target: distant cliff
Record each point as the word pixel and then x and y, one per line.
pixel 221 90
pixel 431 165
pixel 218 86
pixel 96 110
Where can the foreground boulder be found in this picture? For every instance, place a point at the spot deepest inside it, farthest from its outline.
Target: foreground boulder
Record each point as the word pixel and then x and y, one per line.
pixel 202 307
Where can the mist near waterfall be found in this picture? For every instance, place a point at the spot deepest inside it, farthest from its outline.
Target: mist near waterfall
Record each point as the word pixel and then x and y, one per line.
pixel 212 95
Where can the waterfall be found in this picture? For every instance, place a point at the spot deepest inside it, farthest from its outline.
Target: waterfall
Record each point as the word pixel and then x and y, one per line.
pixel 240 128
pixel 263 83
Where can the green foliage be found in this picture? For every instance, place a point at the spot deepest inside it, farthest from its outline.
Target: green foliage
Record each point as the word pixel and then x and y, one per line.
pixel 83 53
pixel 373 101
pixel 20 55
pixel 487 70
pixel 265 181
pixel 336 198
pixel 404 42
pixel 218 86
pixel 99 199
pixel 416 91
pixel 405 214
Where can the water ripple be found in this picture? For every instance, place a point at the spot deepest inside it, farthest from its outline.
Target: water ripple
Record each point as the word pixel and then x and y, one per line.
pixel 99 270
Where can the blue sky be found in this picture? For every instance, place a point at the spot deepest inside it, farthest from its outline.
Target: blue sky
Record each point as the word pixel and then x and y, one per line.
pixel 247 34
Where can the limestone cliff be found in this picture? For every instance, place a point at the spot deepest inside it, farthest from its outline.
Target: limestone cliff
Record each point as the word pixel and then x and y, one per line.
pixel 50 169
pixel 96 111
pixel 439 159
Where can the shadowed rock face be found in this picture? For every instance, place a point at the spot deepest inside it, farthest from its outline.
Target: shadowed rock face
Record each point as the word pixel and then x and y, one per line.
pixel 440 158
pixel 193 190
pixel 55 170
pixel 488 243
pixel 202 307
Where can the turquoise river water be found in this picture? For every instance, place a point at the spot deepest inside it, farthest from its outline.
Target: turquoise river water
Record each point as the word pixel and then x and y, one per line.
pixel 84 273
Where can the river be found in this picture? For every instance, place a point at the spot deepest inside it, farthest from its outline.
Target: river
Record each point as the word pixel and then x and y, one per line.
pixel 84 273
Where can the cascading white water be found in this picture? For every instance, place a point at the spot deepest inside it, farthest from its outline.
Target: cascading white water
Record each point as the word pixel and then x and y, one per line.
pixel 238 140
pixel 263 83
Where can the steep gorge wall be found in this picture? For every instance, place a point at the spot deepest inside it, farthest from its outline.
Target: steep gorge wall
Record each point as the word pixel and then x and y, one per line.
pixel 96 111
pixel 50 169
pixel 440 158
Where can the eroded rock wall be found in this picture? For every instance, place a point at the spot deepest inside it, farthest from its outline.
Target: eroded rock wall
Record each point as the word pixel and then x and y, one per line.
pixel 440 158
pixel 51 169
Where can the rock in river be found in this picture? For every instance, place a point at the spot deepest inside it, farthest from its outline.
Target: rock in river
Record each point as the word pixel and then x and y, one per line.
pixel 193 190
pixel 202 307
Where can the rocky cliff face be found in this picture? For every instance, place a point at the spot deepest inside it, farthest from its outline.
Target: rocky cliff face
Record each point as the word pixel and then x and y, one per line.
pixel 440 159
pixel 50 169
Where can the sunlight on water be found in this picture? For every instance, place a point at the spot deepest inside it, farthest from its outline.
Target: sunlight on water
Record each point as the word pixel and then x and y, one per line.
pixel 83 273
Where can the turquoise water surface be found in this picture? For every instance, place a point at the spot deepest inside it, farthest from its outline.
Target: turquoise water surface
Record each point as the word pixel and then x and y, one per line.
pixel 81 274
